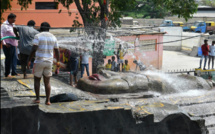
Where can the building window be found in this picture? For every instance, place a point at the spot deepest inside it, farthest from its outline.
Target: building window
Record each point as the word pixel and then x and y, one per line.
pixel 148 45
pixel 46 5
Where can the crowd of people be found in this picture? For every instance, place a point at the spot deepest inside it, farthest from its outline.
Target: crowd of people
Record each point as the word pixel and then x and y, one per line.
pixel 208 51
pixel 33 44
pixel 35 49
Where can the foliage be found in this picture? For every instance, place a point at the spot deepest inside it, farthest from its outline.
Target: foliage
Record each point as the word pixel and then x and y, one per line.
pixel 75 25
pixel 96 12
pixel 209 3
pixel 162 8
pixel 6 4
pixel 182 8
pixel 146 9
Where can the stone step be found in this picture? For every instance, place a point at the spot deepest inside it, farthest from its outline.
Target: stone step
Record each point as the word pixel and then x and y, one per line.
pixel 4 94
pixel 200 110
pixel 210 120
pixel 211 130
pixel 5 98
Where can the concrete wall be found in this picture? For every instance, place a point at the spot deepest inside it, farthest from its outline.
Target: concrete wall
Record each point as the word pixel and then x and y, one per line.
pixel 149 22
pixel 51 16
pixel 173 34
pixel 190 43
pixel 152 57
pixel 32 120
pixel 196 41
pixel 157 22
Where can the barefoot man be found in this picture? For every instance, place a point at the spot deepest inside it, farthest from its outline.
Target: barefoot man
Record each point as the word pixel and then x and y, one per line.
pixel 44 43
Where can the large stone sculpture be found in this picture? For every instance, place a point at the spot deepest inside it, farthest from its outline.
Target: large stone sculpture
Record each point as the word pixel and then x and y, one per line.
pixel 131 82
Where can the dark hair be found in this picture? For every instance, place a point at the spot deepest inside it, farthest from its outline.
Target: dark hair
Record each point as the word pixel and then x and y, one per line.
pixel 31 23
pixel 109 60
pixel 44 26
pixel 126 60
pixel 11 16
pixel 113 57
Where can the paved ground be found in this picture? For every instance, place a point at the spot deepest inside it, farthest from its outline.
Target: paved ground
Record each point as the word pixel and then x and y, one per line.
pixel 174 60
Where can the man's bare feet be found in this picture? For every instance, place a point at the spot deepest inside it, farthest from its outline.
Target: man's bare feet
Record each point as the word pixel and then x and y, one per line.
pixel 16 74
pixel 8 76
pixel 37 101
pixel 48 103
pixel 73 85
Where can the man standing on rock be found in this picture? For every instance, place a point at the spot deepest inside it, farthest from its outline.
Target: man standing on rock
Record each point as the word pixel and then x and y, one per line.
pixel 26 35
pixel 44 43
pixel 205 50
pixel 9 45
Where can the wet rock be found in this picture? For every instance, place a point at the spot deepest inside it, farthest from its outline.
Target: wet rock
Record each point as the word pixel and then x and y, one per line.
pixel 110 86
pixel 131 82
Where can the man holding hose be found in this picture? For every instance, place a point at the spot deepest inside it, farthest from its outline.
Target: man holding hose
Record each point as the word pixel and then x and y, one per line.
pixel 9 45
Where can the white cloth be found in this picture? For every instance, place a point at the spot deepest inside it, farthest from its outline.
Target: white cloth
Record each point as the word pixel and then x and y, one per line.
pixel 120 61
pixel 212 50
pixel 46 42
pixel 113 65
pixel 85 58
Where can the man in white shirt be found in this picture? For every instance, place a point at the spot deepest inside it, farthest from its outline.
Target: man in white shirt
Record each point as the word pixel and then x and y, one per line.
pixel 85 62
pixel 211 54
pixel 44 43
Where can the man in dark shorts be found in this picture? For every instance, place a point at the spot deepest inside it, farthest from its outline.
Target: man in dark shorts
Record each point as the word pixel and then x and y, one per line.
pixel 74 59
pixel 26 35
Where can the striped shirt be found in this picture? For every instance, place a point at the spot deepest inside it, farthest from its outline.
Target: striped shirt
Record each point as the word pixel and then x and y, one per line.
pixel 46 42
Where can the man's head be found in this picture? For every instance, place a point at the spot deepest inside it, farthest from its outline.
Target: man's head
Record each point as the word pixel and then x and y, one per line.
pixel 44 26
pixel 11 18
pixel 126 62
pixel 135 61
pixel 113 58
pixel 120 46
pixel 31 23
pixel 206 41
pixel 109 61
pixel 213 42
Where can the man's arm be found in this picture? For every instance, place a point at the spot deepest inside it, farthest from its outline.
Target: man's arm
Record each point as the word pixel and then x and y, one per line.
pixel 3 30
pixel 57 53
pixel 33 50
pixel 15 31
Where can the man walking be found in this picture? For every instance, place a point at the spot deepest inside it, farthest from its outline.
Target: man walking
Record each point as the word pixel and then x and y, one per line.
pixel 205 50
pixel 44 43
pixel 9 45
pixel 26 36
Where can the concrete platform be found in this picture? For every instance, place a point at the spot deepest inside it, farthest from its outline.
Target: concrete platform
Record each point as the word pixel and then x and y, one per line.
pixel 191 112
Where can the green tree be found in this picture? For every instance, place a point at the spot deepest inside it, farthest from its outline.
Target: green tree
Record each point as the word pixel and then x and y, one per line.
pixel 182 8
pixel 162 8
pixel 146 9
pixel 94 11
pixel 209 3
pixel 6 5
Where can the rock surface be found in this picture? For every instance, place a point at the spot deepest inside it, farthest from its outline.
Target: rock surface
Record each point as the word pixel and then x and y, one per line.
pixel 187 112
pixel 131 82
